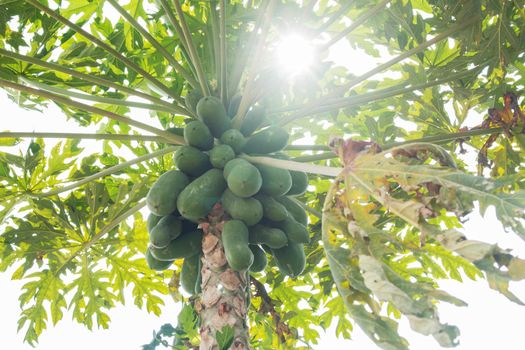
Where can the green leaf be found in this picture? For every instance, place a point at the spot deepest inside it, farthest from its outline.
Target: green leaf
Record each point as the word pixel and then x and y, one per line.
pixel 225 337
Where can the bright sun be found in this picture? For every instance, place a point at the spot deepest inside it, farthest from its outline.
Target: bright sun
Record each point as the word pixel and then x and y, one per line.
pixel 295 54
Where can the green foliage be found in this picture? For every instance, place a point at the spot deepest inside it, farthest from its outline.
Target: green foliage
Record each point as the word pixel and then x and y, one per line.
pixel 396 232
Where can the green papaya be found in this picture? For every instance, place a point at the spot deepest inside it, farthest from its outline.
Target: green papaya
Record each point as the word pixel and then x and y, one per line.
pixel 275 181
pixel 152 221
pixel 176 131
pixel 259 259
pixel 248 210
pixel 272 237
pixel 299 183
pixel 211 111
pixel 220 155
pixel 244 180
pixel 235 241
pixel 233 106
pixel 290 259
pixel 167 229
pixel 252 120
pixel 155 264
pixel 197 134
pixel 189 273
pixel 199 197
pixel 295 209
pixel 296 232
pixel 186 245
pixel 192 161
pixel 272 210
pixel 234 139
pixel 269 140
pixel 232 164
pixel 162 196
pixel 191 99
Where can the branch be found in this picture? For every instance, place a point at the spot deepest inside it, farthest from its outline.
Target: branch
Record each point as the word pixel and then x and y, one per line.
pixel 60 99
pixel 176 65
pixel 106 172
pixel 127 62
pixel 355 24
pixel 291 165
pixel 62 135
pixel 222 52
pixel 307 148
pixel 191 48
pixel 247 96
pixel 268 306
pixel 335 16
pixel 104 100
pixel 86 77
pixel 315 157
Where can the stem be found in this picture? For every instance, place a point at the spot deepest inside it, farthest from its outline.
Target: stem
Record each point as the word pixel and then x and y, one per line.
pixel 61 135
pixel 291 165
pixel 215 43
pixel 101 99
pixel 191 48
pixel 225 292
pixel 246 99
pixel 171 138
pixel 307 148
pixel 86 77
pixel 104 46
pixel 315 157
pixel 176 65
pixel 318 106
pixel 335 16
pixel 344 88
pixel 106 172
pixel 222 52
pixel 355 24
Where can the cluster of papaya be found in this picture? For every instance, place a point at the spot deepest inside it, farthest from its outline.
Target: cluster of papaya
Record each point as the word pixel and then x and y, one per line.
pixel 265 218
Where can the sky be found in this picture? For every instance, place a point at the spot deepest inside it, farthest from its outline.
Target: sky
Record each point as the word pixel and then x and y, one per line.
pixel 490 320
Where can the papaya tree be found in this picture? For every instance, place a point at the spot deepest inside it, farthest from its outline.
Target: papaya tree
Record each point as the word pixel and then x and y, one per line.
pixel 246 191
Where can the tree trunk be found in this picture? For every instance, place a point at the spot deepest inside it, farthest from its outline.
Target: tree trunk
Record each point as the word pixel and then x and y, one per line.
pixel 225 293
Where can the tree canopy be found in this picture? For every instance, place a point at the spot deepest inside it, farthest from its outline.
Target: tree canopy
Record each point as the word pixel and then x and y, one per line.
pixel 389 186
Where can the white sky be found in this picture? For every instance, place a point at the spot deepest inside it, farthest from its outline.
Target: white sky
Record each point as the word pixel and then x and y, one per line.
pixel 489 322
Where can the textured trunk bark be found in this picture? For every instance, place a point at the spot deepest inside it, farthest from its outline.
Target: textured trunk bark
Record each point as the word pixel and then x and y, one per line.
pixel 225 293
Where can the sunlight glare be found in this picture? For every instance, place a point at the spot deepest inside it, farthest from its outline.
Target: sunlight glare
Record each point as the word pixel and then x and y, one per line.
pixel 295 54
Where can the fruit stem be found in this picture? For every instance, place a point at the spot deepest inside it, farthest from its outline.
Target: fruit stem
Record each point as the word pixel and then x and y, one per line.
pixel 106 172
pixel 68 135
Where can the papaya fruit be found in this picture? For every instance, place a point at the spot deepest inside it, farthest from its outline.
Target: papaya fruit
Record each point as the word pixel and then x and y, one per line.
pixel 234 139
pixel 248 210
pixel 152 221
pixel 155 264
pixel 259 259
pixel 272 237
pixel 299 183
pixel 244 180
pixel 220 155
pixel 191 99
pixel 199 197
pixel 235 241
pixel 211 111
pixel 296 232
pixel 162 196
pixel 252 120
pixel 189 273
pixel 275 181
pixel 269 140
pixel 197 134
pixel 176 131
pixel 233 106
pixel 186 245
pixel 290 259
pixel 295 209
pixel 167 229
pixel 232 164
pixel 192 161
pixel 272 210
